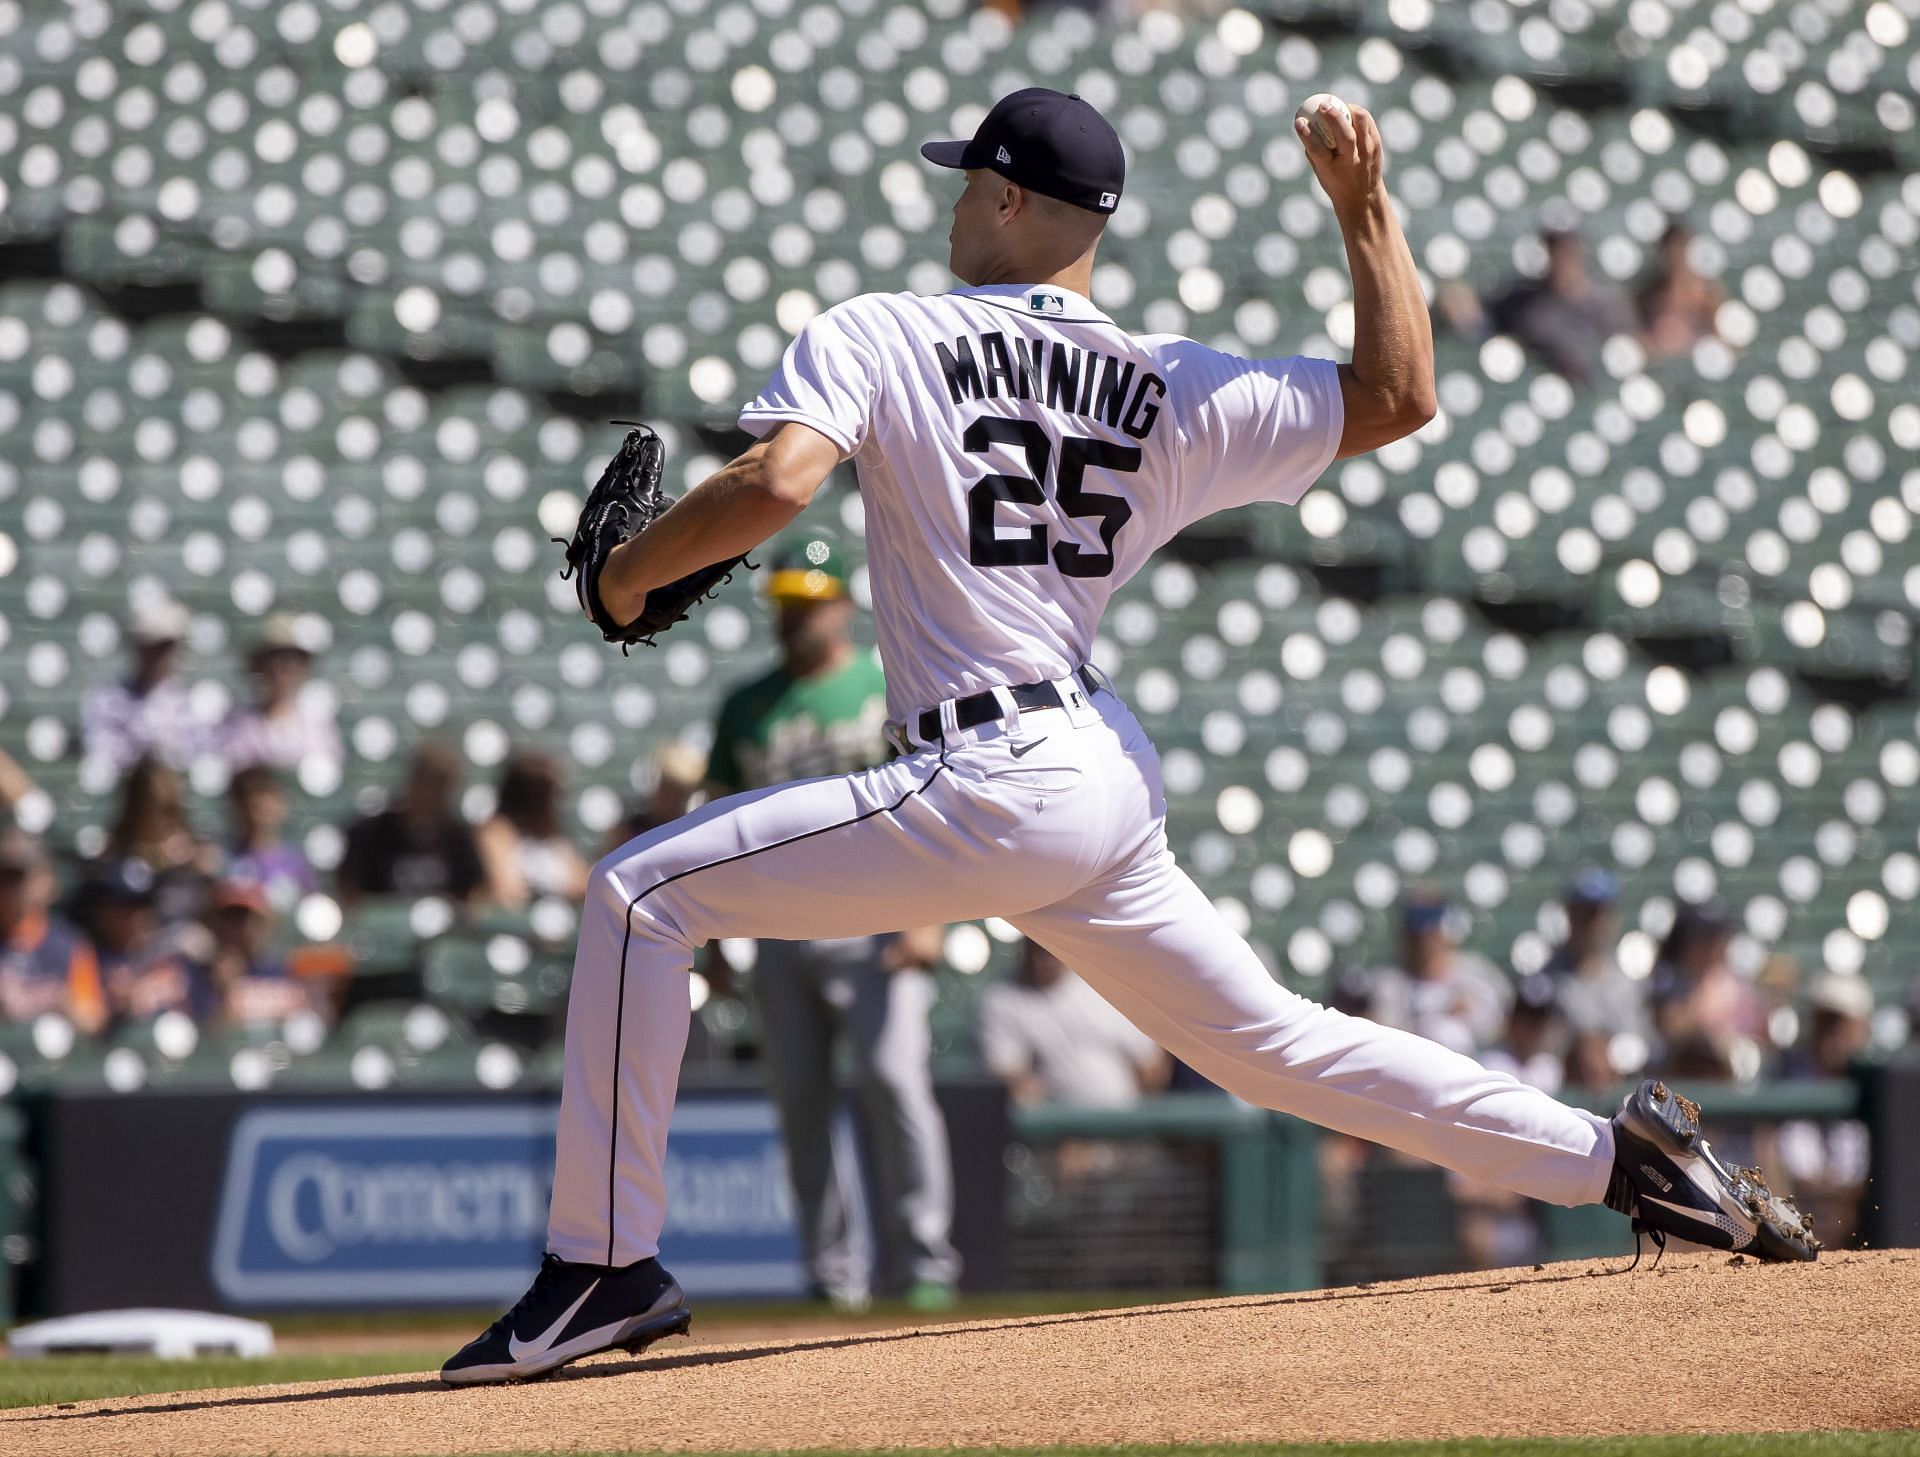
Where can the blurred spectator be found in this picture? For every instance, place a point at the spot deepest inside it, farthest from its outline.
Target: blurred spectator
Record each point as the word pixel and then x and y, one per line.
pixel 15 785
pixel 1450 996
pixel 1826 1163
pixel 152 827
pixel 1053 1039
pixel 147 713
pixel 1703 1009
pixel 1839 1028
pixel 1778 984
pixel 1595 994
pixel 1498 1228
pixel 421 846
pixel 240 981
pixel 679 770
pixel 46 965
pixel 524 846
pixel 1679 304
pixel 1532 1046
pixel 1352 993
pixel 152 821
pixel 146 968
pixel 1565 317
pixel 257 806
pixel 291 719
pixel 1589 1062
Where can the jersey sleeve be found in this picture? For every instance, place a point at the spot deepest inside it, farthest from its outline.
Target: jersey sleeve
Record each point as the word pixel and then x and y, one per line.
pixel 1255 429
pixel 828 379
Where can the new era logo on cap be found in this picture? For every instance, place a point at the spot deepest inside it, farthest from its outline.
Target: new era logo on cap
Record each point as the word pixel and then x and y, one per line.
pixel 1003 156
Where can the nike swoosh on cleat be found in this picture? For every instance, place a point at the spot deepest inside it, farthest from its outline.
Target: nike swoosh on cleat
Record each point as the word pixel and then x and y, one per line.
pixel 1713 1218
pixel 519 1350
pixel 1026 749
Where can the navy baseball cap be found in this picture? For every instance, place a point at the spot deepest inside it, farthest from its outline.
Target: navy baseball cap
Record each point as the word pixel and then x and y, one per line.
pixel 129 879
pixel 1056 144
pixel 1593 885
pixel 1535 992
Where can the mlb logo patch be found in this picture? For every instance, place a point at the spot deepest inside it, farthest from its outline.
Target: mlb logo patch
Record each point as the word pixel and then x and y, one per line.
pixel 1046 303
pixel 1003 156
pixel 1109 199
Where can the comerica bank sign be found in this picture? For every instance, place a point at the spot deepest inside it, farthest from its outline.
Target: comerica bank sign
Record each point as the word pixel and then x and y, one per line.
pixel 358 1203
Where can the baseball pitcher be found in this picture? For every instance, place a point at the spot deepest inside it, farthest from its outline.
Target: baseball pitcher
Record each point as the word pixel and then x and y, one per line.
pixel 1020 455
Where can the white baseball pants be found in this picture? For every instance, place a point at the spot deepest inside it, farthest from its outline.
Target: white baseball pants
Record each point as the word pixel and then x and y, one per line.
pixel 1053 819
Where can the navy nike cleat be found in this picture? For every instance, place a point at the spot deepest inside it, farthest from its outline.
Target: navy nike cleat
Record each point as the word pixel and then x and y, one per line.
pixel 1668 1182
pixel 572 1311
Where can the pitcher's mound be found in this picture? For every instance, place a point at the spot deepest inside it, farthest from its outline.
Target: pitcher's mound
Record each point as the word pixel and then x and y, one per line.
pixel 1705 1343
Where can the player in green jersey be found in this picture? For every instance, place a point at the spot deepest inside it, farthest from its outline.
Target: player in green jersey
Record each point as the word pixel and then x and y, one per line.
pixel 823 711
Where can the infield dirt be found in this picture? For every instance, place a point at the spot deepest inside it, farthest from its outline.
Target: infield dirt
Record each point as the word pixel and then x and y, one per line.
pixel 1704 1343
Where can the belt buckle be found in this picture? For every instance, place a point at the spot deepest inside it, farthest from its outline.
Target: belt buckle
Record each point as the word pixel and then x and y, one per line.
pixel 1076 701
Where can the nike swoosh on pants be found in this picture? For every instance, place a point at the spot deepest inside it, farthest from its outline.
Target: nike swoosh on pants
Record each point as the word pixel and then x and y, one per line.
pixel 519 1349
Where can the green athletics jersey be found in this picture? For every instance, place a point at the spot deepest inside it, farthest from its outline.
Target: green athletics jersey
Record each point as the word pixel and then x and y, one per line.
pixel 777 728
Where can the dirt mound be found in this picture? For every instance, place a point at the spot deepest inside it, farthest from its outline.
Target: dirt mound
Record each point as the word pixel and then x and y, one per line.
pixel 1702 1344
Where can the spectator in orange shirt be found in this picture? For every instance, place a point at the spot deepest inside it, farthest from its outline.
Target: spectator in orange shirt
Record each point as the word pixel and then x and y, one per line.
pixel 145 967
pixel 243 981
pixel 45 964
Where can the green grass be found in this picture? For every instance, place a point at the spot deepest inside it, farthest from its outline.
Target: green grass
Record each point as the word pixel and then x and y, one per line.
pixel 41 1382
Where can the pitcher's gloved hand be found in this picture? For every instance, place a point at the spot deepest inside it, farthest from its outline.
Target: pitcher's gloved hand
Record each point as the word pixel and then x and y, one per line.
pixel 624 502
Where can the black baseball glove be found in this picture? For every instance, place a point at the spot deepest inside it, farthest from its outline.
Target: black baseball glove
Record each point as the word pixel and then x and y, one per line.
pixel 624 502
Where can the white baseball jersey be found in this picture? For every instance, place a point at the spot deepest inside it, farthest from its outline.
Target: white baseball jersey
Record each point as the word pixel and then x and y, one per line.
pixel 1021 455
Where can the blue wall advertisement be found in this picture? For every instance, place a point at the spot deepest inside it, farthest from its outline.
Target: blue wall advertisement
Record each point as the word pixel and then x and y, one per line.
pixel 294 1200
pixel 446 1202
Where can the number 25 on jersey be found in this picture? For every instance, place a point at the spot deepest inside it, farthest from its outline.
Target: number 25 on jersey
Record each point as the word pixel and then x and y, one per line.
pixel 988 548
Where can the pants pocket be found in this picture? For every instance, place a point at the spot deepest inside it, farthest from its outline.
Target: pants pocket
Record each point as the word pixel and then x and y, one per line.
pixel 1047 779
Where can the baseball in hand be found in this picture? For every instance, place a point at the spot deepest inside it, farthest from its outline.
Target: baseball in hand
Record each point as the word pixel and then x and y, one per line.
pixel 1323 133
